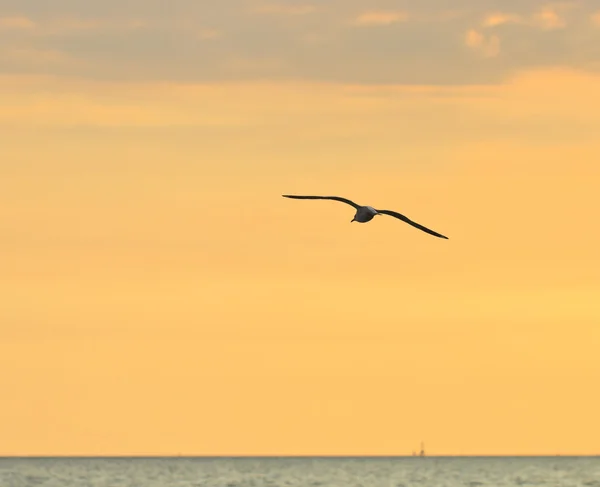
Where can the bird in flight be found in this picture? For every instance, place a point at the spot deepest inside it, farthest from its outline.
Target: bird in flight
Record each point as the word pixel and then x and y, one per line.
pixel 365 214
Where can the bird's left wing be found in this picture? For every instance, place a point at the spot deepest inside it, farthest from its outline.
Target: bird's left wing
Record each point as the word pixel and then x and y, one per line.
pixel 410 222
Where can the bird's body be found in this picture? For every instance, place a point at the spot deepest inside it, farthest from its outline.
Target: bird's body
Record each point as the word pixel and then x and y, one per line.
pixel 365 214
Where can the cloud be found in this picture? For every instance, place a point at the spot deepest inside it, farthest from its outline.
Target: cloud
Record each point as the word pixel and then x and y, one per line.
pixel 549 19
pixel 596 18
pixel 498 18
pixel 380 17
pixel 35 56
pixel 16 23
pixel 63 101
pixel 488 46
pixel 64 25
pixel 473 38
pixel 32 100
pixel 209 34
pixel 285 9
pixel 241 65
pixel 75 24
pixel 325 40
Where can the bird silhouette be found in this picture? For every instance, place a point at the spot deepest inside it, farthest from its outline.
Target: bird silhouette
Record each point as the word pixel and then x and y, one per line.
pixel 365 214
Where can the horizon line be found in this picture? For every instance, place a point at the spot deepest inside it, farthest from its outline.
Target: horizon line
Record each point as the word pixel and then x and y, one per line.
pixel 298 456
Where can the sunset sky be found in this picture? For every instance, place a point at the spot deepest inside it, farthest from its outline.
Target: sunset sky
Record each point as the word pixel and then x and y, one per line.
pixel 159 296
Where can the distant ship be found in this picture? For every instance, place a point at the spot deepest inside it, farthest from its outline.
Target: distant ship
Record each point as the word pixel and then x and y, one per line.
pixel 422 452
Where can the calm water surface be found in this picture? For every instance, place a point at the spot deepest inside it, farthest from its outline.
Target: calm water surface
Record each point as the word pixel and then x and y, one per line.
pixel 309 472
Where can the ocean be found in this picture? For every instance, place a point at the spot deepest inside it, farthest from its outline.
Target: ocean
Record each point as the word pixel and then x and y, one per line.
pixel 301 472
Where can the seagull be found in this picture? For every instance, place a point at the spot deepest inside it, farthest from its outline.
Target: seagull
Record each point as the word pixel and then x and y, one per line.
pixel 365 214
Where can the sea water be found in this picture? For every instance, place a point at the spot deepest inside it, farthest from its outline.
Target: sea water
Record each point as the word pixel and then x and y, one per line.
pixel 301 472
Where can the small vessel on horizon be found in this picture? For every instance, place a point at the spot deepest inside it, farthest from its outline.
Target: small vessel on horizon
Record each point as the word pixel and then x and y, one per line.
pixel 422 452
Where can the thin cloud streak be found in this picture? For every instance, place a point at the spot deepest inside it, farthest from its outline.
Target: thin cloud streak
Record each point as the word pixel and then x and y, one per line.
pixel 65 25
pixel 36 56
pixel 284 9
pixel 16 23
pixel 498 18
pixel 374 18
pixel 209 34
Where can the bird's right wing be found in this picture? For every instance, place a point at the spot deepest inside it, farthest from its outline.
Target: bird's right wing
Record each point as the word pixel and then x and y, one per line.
pixel 336 198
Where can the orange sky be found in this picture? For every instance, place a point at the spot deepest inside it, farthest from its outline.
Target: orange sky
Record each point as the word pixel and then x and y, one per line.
pixel 160 297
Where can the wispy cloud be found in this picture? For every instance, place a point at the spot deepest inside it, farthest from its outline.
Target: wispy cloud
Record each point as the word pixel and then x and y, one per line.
pixel 67 25
pixel 548 18
pixel 35 56
pixel 209 34
pixel 498 18
pixel 16 23
pixel 488 46
pixel 241 65
pixel 329 40
pixel 76 24
pixel 285 9
pixel 380 17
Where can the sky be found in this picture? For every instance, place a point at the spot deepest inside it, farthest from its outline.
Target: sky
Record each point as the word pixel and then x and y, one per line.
pixel 160 297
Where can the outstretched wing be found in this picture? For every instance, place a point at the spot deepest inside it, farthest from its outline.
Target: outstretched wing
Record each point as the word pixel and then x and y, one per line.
pixel 335 198
pixel 410 222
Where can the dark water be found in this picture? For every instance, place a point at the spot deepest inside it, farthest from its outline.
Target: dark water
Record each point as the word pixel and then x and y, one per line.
pixel 309 472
